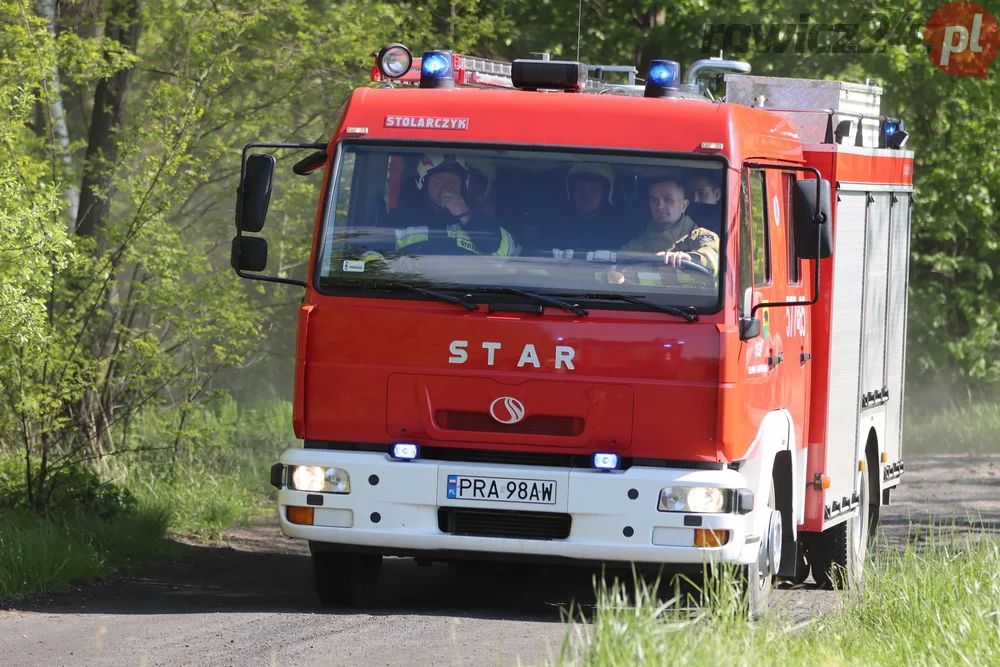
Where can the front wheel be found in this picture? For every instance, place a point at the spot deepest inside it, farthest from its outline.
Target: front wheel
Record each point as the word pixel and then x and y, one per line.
pixel 345 578
pixel 758 575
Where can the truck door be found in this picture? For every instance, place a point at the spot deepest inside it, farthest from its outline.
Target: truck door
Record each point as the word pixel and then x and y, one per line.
pixel 756 285
pixel 790 322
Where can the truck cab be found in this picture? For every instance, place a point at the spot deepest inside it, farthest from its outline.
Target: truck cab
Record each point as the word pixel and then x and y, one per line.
pixel 553 320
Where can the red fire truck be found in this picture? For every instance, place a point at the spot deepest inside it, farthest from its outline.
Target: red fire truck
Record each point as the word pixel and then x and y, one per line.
pixel 550 318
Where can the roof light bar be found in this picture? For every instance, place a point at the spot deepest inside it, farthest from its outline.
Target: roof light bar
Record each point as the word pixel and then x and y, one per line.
pixel 549 75
pixel 663 78
pixel 437 70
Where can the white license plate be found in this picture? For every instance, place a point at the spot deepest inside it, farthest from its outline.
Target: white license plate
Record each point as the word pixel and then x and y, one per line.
pixel 502 489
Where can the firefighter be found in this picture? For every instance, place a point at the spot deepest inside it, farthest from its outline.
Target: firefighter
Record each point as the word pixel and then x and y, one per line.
pixel 670 238
pixel 443 219
pixel 587 226
pixel 481 177
pixel 704 188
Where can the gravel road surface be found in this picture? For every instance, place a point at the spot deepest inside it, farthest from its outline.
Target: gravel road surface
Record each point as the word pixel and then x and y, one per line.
pixel 251 602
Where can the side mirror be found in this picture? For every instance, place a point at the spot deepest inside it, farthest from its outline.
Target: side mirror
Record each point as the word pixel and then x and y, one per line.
pixel 248 253
pixel 749 326
pixel 254 193
pixel 813 237
pixel 310 163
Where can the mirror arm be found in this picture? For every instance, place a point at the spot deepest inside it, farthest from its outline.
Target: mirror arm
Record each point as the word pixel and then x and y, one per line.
pixel 267 279
pixel 815 297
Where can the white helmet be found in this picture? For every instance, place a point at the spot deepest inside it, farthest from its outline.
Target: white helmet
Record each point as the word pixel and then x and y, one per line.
pixel 593 169
pixel 486 168
pixel 435 162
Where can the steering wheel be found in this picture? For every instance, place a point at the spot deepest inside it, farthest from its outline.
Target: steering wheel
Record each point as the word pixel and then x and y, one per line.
pixel 438 246
pixel 696 268
pixel 686 265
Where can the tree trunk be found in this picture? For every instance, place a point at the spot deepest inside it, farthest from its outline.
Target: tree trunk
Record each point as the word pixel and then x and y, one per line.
pixel 648 47
pixel 110 104
pixel 451 25
pixel 57 117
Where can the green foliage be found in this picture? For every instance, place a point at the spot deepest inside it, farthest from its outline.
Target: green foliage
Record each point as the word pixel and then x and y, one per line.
pixel 933 605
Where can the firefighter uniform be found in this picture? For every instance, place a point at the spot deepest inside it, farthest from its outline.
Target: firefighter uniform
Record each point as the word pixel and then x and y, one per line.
pixel 479 236
pixel 425 221
pixel 685 236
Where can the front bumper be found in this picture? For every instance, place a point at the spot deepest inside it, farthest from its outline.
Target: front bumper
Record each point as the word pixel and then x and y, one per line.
pixel 393 509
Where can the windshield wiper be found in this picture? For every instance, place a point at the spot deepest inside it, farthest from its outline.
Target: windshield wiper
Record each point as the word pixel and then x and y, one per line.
pixel 468 305
pixel 689 313
pixel 558 303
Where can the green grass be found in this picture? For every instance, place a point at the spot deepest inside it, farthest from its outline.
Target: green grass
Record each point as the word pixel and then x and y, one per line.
pixel 216 478
pixel 50 552
pixel 936 605
pixel 219 476
pixel 968 429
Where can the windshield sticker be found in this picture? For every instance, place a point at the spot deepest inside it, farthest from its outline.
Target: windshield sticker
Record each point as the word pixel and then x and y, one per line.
pixel 430 122
pixel 354 266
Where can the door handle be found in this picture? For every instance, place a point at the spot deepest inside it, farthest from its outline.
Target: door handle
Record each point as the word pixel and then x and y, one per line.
pixel 775 360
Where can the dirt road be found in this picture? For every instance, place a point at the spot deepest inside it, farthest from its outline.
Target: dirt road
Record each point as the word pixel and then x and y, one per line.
pixel 251 603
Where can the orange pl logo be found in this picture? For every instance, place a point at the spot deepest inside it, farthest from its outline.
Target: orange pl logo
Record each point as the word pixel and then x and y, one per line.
pixel 964 39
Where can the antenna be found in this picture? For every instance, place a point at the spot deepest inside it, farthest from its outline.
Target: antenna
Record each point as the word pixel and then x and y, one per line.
pixel 579 21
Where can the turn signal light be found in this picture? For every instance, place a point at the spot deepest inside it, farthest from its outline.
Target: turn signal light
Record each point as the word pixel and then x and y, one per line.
pixel 708 538
pixel 825 482
pixel 300 515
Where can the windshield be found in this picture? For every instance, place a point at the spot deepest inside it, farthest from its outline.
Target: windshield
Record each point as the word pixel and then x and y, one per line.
pixel 550 222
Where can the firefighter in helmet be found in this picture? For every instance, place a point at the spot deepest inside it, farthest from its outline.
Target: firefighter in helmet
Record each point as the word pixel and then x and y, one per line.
pixel 482 174
pixel 587 226
pixel 671 240
pixel 443 221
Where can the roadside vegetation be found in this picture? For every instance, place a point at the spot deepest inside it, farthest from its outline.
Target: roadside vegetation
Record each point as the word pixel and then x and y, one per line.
pixel 98 525
pixel 970 428
pixel 937 603
pixel 142 383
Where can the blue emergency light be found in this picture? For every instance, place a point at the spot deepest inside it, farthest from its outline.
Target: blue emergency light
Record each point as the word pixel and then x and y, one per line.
pixel 437 70
pixel 893 134
pixel 664 76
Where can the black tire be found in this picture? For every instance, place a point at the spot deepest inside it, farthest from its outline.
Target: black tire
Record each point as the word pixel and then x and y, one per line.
pixel 346 579
pixel 837 555
pixel 874 511
pixel 801 565
pixel 758 583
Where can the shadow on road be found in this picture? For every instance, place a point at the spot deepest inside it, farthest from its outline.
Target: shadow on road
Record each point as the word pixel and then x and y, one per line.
pixel 210 578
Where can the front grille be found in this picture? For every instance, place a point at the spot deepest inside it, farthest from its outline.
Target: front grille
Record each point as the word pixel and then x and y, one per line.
pixel 505 458
pixel 504 523
pixel 501 457
pixel 456 420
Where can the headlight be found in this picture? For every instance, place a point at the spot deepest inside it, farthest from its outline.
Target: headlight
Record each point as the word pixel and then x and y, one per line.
pixel 699 499
pixel 319 478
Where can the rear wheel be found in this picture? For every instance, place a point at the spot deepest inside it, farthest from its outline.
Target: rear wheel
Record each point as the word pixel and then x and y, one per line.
pixel 344 578
pixel 837 555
